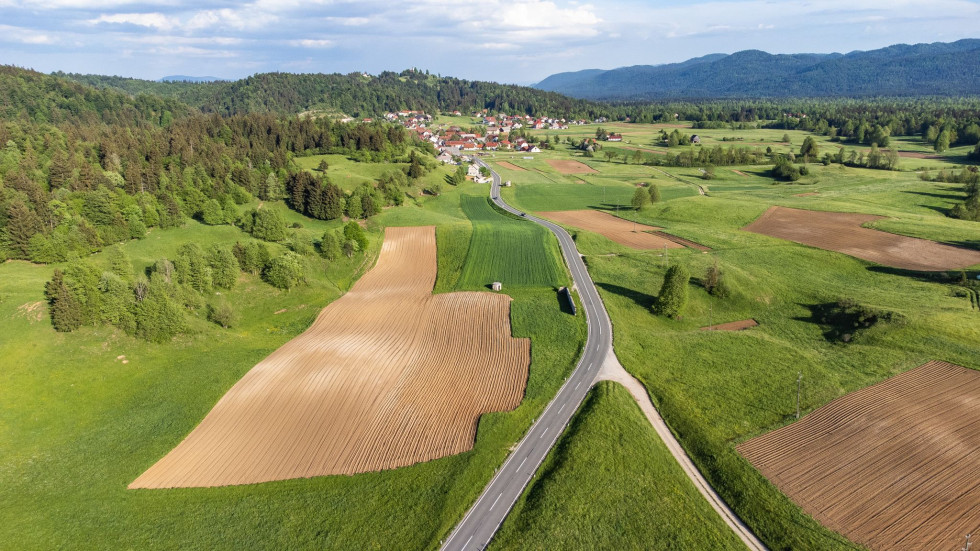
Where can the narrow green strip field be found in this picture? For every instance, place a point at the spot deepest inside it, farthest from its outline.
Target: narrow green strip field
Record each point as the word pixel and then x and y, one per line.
pixel 610 483
pixel 510 250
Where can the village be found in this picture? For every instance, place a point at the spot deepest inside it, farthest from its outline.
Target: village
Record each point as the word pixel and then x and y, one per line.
pixel 453 143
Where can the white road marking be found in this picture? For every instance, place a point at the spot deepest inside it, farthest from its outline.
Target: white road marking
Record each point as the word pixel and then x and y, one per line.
pixel 579 384
pixel 522 463
pixel 563 405
pixel 495 501
pixel 467 542
pixel 544 433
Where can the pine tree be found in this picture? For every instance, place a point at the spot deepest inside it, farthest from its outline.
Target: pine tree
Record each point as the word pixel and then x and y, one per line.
pixel 66 315
pixel 22 224
pixel 672 298
pixel 224 267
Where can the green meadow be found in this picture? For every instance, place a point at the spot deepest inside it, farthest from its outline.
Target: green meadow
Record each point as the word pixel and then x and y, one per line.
pixel 84 413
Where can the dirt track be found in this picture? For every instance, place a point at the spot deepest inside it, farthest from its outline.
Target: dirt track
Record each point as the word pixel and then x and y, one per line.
pixel 570 167
pixel 388 375
pixel 842 232
pixel 890 466
pixel 612 227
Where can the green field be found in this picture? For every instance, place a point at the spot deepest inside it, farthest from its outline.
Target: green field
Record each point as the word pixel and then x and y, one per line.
pixel 78 424
pixel 510 250
pixel 610 483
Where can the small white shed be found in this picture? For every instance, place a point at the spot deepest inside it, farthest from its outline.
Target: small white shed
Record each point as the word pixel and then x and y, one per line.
pixel 496 286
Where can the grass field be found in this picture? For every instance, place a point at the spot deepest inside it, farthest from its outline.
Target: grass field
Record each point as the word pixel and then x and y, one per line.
pixel 610 483
pixel 512 251
pixel 78 425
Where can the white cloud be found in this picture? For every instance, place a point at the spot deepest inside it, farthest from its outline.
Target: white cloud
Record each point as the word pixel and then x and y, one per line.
pixel 311 43
pixel 24 36
pixel 154 20
pixel 349 21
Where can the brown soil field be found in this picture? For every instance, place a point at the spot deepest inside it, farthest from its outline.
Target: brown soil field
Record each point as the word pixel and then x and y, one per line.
pixel 612 227
pixel 842 232
pixel 681 241
pixel 511 166
pixel 570 167
pixel 740 325
pixel 388 375
pixel 890 466
pixel 739 172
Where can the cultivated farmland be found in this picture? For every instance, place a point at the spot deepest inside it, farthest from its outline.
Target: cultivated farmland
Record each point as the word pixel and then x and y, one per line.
pixel 891 466
pixel 506 249
pixel 566 166
pixel 388 375
pixel 511 166
pixel 617 229
pixel 842 232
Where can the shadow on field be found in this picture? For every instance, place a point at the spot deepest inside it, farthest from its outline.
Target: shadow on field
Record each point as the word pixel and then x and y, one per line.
pixel 611 207
pixel 950 276
pixel 951 196
pixel 641 299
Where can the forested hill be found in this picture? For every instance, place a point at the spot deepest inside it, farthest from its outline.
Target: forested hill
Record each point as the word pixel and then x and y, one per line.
pixel 354 94
pixel 41 98
pixel 939 69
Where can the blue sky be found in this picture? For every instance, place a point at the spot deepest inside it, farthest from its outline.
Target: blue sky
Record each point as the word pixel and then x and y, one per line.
pixel 501 40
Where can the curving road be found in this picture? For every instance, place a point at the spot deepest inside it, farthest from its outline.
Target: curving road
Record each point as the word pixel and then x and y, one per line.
pixel 481 522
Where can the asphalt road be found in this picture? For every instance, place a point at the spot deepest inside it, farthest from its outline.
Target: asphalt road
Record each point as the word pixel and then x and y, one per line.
pixel 483 519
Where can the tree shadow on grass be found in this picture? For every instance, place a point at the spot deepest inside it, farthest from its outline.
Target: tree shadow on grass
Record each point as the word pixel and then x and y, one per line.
pixel 611 207
pixel 641 299
pixel 948 276
pixel 950 196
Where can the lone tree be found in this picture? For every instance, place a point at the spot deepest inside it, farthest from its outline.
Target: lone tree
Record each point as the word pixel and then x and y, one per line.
pixel 641 198
pixel 654 193
pixel 673 294
pixel 809 149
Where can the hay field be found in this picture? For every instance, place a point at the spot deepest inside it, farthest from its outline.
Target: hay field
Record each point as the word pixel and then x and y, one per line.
pixel 388 375
pixel 617 229
pixel 565 166
pixel 890 466
pixel 842 232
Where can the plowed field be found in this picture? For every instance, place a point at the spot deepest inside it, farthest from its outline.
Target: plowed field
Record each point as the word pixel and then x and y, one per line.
pixel 891 466
pixel 388 375
pixel 570 167
pixel 511 166
pixel 615 228
pixel 842 232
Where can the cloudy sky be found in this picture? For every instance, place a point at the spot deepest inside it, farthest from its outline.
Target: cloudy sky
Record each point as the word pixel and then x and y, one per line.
pixel 519 41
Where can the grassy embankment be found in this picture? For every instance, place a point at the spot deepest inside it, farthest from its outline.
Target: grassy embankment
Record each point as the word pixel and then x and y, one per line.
pixel 716 389
pixel 611 484
pixel 78 424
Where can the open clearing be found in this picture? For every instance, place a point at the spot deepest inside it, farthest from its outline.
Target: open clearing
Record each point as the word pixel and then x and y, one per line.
pixel 740 325
pixel 621 231
pixel 388 375
pixel 570 167
pixel 890 466
pixel 511 166
pixel 842 232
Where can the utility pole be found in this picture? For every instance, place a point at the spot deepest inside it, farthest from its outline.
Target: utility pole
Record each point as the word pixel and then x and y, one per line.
pixel 799 382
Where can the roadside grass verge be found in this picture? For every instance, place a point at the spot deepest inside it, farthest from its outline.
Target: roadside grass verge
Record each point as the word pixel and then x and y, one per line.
pixel 610 483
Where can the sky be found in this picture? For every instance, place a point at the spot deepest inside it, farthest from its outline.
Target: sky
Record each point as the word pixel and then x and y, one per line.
pixel 511 41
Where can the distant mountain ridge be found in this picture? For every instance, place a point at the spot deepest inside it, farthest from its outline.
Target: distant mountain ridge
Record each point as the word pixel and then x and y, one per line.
pixel 937 69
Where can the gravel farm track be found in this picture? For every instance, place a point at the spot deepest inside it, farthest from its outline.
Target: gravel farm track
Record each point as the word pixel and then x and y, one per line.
pixel 624 232
pixel 843 232
pixel 890 466
pixel 388 375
